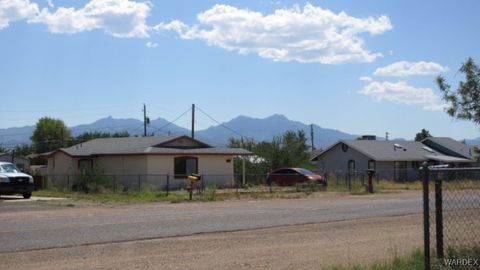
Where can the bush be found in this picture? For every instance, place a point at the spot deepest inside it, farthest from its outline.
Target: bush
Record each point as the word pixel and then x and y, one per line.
pixel 92 181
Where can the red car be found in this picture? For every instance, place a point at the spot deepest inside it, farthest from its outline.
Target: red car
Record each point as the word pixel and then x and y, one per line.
pixel 292 176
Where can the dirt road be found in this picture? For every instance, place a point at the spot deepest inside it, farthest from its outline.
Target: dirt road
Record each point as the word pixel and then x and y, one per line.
pixel 313 246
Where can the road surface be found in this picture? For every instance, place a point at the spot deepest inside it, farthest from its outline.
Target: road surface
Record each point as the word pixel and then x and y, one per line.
pixel 33 227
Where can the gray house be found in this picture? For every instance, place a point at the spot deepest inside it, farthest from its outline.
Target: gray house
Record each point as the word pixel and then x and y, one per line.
pixel 397 160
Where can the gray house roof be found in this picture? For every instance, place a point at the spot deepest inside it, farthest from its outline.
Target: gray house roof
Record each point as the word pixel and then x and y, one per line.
pixel 395 151
pixel 450 147
pixel 158 145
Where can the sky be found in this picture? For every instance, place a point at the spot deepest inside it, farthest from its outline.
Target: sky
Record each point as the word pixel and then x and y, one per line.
pixel 362 67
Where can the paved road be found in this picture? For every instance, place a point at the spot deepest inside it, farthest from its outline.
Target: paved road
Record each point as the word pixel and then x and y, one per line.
pixel 29 228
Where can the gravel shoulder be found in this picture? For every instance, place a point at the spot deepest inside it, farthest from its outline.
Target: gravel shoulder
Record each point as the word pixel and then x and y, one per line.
pixel 312 246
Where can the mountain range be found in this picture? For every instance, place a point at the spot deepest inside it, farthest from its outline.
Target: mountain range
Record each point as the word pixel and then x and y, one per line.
pixel 242 126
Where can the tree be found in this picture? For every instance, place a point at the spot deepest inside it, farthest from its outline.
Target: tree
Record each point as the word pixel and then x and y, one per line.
pixel 422 135
pixel 2 149
pixel 287 150
pixel 464 103
pixel 50 134
pixel 24 150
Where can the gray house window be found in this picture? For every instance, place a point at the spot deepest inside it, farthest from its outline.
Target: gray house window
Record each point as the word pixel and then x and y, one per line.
pixel 400 171
pixel 183 166
pixel 371 164
pixel 351 165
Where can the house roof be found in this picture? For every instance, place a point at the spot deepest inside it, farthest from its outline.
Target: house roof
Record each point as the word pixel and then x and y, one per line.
pixel 450 146
pixel 158 145
pixel 393 150
pixel 448 159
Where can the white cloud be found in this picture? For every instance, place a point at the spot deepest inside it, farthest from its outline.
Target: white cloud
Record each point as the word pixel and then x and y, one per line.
pixel 119 18
pixel 175 25
pixel 15 10
pixel 365 79
pixel 311 34
pixel 404 69
pixel 401 92
pixel 151 45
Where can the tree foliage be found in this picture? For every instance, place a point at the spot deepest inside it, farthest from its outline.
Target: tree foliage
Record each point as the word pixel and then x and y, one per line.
pixel 287 150
pixel 422 135
pixel 464 103
pixel 50 134
pixel 24 150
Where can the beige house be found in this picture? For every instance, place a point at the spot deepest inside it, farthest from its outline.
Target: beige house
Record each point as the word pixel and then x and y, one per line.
pixel 133 161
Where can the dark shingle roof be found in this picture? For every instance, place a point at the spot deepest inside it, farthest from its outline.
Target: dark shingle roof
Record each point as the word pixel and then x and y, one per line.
pixel 451 147
pixel 142 145
pixel 395 151
pixel 389 150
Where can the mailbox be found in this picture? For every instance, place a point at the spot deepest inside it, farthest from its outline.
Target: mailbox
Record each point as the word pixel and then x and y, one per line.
pixel 194 177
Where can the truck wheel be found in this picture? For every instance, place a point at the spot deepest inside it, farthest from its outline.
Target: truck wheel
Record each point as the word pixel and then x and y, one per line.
pixel 27 195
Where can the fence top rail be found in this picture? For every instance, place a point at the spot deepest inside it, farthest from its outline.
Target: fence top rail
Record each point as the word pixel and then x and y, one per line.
pixel 445 169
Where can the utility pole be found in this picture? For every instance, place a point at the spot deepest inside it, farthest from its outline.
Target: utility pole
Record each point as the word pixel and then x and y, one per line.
pixel 386 136
pixel 193 121
pixel 13 156
pixel 146 120
pixel 311 136
pixel 61 139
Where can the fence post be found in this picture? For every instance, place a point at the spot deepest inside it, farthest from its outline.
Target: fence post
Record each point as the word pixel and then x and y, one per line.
pixel 139 182
pixel 168 183
pixel 114 183
pixel 426 217
pixel 439 217
pixel 68 182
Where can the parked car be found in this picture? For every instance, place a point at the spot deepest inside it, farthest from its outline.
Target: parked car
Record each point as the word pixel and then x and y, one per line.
pixel 13 181
pixel 292 176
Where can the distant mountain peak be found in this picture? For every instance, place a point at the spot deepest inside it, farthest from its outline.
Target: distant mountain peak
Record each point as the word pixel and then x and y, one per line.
pixel 277 116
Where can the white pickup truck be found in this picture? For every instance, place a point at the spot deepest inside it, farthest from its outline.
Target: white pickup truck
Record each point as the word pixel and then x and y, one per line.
pixel 13 181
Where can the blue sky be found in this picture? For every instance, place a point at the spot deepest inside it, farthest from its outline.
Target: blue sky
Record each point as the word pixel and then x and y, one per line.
pixel 363 67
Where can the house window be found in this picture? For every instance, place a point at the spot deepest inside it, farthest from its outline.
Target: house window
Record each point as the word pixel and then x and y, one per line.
pixel 415 164
pixel 351 166
pixel 85 165
pixel 371 164
pixel 400 171
pixel 183 166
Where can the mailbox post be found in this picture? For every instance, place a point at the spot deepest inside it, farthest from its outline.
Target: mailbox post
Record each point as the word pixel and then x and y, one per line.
pixel 193 178
pixel 371 174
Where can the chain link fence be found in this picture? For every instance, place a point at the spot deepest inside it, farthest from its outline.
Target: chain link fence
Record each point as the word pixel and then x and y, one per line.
pixel 452 217
pixel 139 182
pixel 353 181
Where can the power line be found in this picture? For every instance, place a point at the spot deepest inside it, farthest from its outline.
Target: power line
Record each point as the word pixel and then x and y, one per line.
pixel 171 122
pixel 225 126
